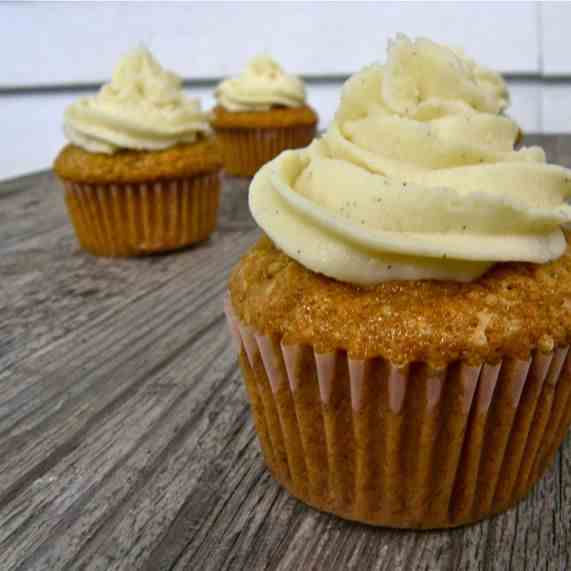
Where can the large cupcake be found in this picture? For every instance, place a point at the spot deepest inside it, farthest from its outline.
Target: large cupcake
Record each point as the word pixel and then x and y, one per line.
pixel 259 114
pixel 141 172
pixel 404 325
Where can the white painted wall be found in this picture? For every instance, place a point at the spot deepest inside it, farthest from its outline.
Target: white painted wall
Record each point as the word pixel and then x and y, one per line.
pixel 54 44
pixel 61 43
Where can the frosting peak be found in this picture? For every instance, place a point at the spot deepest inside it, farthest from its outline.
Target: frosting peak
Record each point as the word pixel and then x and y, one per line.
pixel 422 72
pixel 417 178
pixel 143 107
pixel 264 65
pixel 261 85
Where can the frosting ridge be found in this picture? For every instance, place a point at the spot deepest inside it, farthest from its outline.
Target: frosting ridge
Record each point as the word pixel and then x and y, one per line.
pixel 143 107
pixel 416 178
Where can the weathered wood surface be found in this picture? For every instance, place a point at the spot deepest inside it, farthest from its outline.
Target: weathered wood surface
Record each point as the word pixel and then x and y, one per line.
pixel 125 435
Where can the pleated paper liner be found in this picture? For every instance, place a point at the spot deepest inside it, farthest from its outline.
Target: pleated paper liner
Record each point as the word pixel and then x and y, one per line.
pixel 244 151
pixel 408 447
pixel 138 219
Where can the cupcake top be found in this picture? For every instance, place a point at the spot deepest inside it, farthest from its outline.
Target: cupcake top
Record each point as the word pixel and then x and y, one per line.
pixel 511 310
pixel 416 178
pixel 143 108
pixel 261 86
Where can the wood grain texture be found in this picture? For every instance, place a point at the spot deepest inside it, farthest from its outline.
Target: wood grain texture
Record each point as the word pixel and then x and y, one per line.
pixel 125 435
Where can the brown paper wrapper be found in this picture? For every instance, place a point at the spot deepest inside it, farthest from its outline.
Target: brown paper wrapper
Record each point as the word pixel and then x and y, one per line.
pixel 407 447
pixel 143 218
pixel 244 151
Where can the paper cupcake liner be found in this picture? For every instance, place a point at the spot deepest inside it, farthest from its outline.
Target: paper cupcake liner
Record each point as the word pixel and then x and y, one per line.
pixel 143 218
pixel 244 151
pixel 409 447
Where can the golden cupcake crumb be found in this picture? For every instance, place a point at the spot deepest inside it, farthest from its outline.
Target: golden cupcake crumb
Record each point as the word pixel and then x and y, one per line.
pixel 276 117
pixel 128 166
pixel 513 309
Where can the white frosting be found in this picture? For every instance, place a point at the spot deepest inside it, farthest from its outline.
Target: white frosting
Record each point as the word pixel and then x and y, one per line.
pixel 260 86
pixel 144 107
pixel 416 178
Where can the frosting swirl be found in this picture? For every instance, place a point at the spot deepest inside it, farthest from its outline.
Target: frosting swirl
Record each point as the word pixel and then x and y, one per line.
pixel 260 86
pixel 417 178
pixel 143 107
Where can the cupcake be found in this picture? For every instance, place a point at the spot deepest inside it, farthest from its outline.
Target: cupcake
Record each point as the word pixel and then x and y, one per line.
pixel 259 114
pixel 141 171
pixel 403 326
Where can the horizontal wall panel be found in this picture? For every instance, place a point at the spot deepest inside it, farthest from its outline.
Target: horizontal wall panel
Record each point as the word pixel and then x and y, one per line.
pixel 555 33
pixel 556 108
pixel 55 43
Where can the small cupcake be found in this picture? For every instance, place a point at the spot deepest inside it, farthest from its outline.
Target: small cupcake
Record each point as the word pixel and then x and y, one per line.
pixel 141 172
pixel 259 114
pixel 403 326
